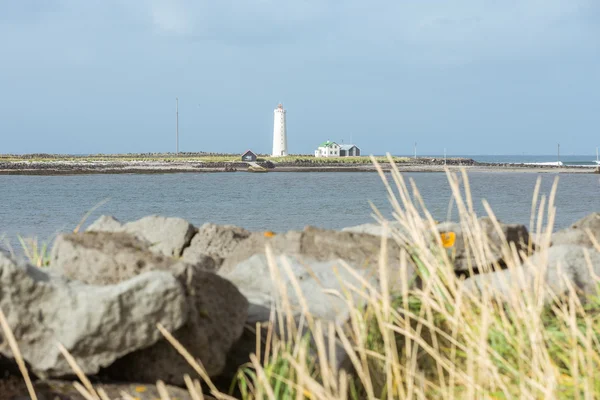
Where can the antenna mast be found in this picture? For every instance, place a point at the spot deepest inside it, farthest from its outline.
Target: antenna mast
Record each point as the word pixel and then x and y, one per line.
pixel 176 125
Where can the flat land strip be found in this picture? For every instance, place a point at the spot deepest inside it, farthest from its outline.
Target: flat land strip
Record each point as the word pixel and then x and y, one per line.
pixel 49 164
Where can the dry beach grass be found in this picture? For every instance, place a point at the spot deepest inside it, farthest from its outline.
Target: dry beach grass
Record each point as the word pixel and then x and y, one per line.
pixel 426 339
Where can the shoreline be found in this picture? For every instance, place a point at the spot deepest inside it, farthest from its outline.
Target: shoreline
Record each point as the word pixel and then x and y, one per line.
pixel 59 168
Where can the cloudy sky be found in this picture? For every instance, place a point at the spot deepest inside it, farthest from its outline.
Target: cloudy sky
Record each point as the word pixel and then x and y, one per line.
pixel 472 76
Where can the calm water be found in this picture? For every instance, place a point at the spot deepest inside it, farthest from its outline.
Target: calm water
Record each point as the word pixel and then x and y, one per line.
pixel 43 205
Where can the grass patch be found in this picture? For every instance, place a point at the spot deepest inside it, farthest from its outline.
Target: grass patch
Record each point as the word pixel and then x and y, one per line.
pixel 37 253
pixel 193 158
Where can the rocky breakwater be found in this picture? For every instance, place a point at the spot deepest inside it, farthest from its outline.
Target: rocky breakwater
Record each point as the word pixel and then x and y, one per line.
pixel 572 262
pixel 107 288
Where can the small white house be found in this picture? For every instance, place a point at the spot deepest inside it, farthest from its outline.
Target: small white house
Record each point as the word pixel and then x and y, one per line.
pixel 328 149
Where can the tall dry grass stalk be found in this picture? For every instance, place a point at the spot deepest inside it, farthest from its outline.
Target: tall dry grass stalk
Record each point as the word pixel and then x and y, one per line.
pixel 436 340
pixel 433 339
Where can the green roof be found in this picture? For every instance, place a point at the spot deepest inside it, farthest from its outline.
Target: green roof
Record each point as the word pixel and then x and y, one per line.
pixel 327 144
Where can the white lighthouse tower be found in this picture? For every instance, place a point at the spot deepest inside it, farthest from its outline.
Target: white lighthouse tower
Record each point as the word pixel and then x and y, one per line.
pixel 279 133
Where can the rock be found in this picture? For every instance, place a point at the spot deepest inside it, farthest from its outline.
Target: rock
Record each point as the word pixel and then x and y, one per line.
pixel 96 324
pixel 565 263
pixel 15 389
pixel 218 313
pixel 167 236
pixel 246 345
pixel 359 250
pixel 104 258
pixel 316 279
pixel 372 229
pixel 314 257
pixel 577 234
pixel 105 223
pixel 462 255
pixel 215 241
pixel 217 310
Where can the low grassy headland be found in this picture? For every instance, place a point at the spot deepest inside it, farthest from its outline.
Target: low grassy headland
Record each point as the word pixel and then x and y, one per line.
pixel 50 164
pixel 195 162
pixel 190 157
pixel 401 309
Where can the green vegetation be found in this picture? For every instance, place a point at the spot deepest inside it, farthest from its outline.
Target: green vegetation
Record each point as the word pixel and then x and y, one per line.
pixel 433 340
pixel 336 160
pixel 192 157
pixel 37 254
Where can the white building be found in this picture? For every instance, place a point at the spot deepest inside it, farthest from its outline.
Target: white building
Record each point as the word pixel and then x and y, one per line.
pixel 328 149
pixel 279 133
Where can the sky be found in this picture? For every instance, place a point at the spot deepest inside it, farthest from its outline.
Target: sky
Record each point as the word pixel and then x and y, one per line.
pixel 470 76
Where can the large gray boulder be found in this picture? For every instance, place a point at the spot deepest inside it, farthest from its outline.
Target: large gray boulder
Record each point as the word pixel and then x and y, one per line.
pixel 321 263
pixel 322 288
pixel 217 310
pixel 54 389
pixel 316 257
pixel 373 229
pixel 96 324
pixel 105 223
pixel 461 254
pixel 564 266
pixel 579 233
pixel 167 236
pixel 218 313
pixel 357 249
pixel 216 242
pixel 322 284
pixel 247 344
pixel 104 258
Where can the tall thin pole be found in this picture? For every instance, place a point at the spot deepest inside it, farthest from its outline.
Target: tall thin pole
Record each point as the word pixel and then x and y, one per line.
pixel 176 125
pixel 444 156
pixel 415 150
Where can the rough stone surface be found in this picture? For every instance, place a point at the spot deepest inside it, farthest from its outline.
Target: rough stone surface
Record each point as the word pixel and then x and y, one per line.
pixel 15 389
pixel 321 284
pixel 105 223
pixel 167 236
pixel 316 279
pixel 104 257
pixel 246 345
pixel 214 241
pixel 96 324
pixel 217 309
pixel 577 234
pixel 359 250
pixel 218 312
pixel 372 229
pixel 461 254
pixel 566 263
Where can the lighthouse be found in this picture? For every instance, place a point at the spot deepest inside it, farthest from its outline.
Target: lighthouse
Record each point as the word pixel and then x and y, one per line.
pixel 279 133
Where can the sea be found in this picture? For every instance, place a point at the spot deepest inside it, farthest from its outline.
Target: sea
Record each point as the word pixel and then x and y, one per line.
pixel 43 206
